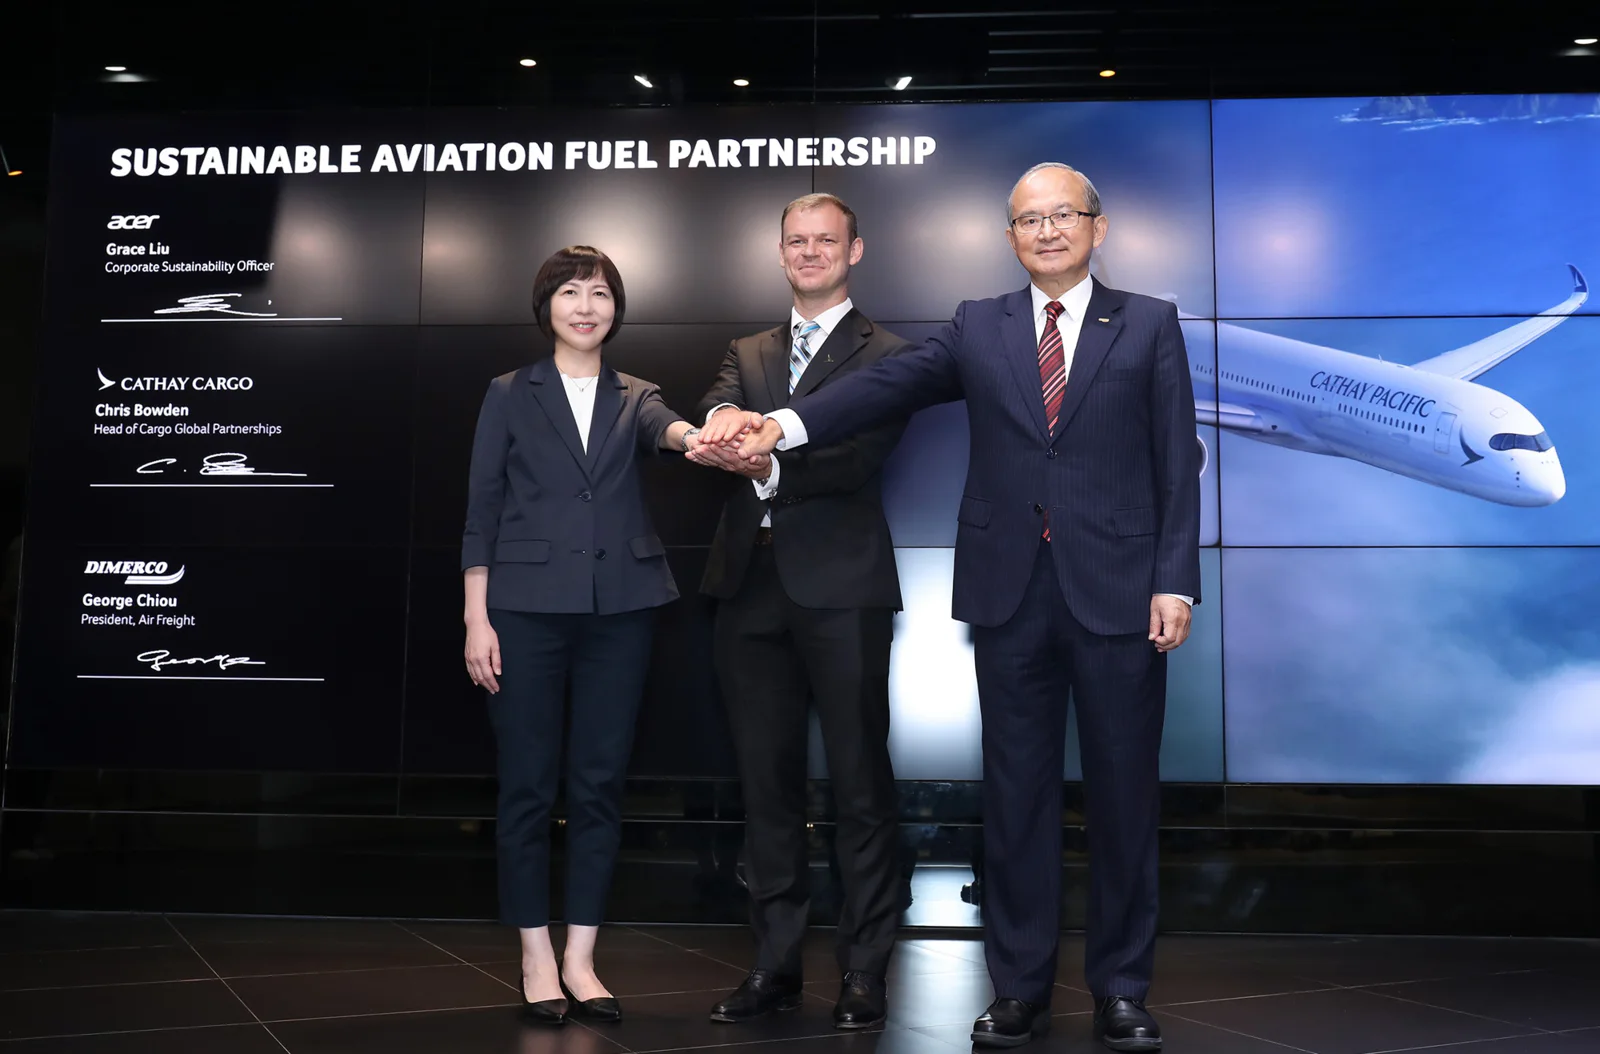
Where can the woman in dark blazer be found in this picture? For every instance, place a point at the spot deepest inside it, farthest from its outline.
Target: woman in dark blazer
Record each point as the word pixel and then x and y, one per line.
pixel 562 570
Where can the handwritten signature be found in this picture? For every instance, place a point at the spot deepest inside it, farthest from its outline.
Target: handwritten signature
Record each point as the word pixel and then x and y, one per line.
pixel 159 659
pixel 216 302
pixel 227 463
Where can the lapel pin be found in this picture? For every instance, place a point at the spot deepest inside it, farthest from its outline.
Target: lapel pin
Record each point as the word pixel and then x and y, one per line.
pixel 827 358
pixel 1105 320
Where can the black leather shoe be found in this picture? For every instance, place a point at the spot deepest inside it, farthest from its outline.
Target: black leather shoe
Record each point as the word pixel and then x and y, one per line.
pixel 1124 1024
pixel 761 993
pixel 545 1011
pixel 1010 1023
pixel 600 1008
pixel 863 1001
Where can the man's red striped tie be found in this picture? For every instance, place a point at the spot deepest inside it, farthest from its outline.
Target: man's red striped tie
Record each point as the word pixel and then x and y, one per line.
pixel 1052 374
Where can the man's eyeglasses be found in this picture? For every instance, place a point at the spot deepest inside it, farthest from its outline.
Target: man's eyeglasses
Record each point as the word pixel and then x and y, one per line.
pixel 1064 220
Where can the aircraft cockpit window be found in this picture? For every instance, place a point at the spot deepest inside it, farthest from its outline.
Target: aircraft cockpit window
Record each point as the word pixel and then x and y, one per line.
pixel 1514 441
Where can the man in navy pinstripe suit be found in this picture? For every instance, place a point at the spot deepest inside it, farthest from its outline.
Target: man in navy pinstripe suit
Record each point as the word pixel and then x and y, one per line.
pixel 1077 561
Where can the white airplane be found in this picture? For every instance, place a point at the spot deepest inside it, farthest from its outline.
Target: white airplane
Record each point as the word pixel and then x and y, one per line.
pixel 1427 421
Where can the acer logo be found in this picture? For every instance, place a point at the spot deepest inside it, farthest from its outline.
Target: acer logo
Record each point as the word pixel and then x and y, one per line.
pixel 132 223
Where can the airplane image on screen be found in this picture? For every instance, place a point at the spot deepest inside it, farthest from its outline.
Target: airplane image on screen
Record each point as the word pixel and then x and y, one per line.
pixel 1429 421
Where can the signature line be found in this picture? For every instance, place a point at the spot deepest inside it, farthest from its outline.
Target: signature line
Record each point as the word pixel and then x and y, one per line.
pixel 228 485
pixel 180 677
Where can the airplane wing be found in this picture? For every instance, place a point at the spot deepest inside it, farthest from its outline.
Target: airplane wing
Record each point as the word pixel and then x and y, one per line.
pixel 1228 415
pixel 1472 360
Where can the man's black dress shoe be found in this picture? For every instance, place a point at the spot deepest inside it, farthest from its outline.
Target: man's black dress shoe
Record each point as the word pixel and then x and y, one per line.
pixel 600 1008
pixel 761 993
pixel 863 1001
pixel 545 1011
pixel 1124 1024
pixel 1010 1023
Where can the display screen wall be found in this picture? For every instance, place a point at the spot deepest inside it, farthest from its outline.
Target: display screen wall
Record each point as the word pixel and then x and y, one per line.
pixel 267 338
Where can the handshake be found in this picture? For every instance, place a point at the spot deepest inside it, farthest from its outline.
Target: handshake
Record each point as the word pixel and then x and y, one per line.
pixel 737 441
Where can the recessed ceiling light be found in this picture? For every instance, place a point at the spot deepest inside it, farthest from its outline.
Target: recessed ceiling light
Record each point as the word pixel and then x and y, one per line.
pixel 1587 40
pixel 116 69
pixel 642 79
pixel 529 63
pixel 902 84
pixel 1108 73
pixel 740 82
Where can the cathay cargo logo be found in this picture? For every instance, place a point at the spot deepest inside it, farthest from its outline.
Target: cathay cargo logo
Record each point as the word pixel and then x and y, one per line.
pixel 138 572
pixel 132 223
pixel 176 384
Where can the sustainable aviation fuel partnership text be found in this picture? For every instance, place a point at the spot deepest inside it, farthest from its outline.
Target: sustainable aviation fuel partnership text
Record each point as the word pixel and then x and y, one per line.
pixel 758 152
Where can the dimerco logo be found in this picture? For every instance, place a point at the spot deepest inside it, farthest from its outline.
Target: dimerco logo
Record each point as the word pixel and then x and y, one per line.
pixel 138 572
pixel 132 223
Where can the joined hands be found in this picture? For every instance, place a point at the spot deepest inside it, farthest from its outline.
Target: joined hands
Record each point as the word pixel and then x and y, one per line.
pixel 737 441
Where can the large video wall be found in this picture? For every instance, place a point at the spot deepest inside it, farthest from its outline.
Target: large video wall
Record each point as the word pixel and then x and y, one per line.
pixel 268 336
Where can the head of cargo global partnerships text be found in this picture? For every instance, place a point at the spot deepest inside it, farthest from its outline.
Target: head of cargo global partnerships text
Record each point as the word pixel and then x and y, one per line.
pixel 1076 564
pixel 562 569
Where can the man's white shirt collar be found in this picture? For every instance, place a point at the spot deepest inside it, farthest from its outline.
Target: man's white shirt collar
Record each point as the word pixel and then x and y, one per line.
pixel 1074 300
pixel 826 321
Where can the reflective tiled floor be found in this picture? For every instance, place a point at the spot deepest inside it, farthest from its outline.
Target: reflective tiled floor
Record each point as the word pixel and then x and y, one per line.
pixel 129 984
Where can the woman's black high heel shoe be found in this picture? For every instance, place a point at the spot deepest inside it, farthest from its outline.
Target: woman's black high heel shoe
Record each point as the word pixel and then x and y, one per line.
pixel 545 1011
pixel 601 1008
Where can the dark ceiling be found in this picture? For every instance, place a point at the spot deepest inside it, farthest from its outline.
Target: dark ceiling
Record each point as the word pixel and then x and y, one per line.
pixel 294 54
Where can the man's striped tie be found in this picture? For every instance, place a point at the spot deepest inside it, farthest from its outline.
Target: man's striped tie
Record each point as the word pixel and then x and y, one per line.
pixel 802 351
pixel 1052 374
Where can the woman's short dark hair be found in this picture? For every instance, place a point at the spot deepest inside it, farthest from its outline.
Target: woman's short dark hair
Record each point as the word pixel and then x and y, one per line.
pixel 576 263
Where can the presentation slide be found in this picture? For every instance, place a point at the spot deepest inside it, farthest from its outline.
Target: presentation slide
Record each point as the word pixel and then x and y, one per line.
pixel 245 436
pixel 1438 665
pixel 1378 448
pixel 167 656
pixel 270 219
pixel 268 337
pixel 1418 206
